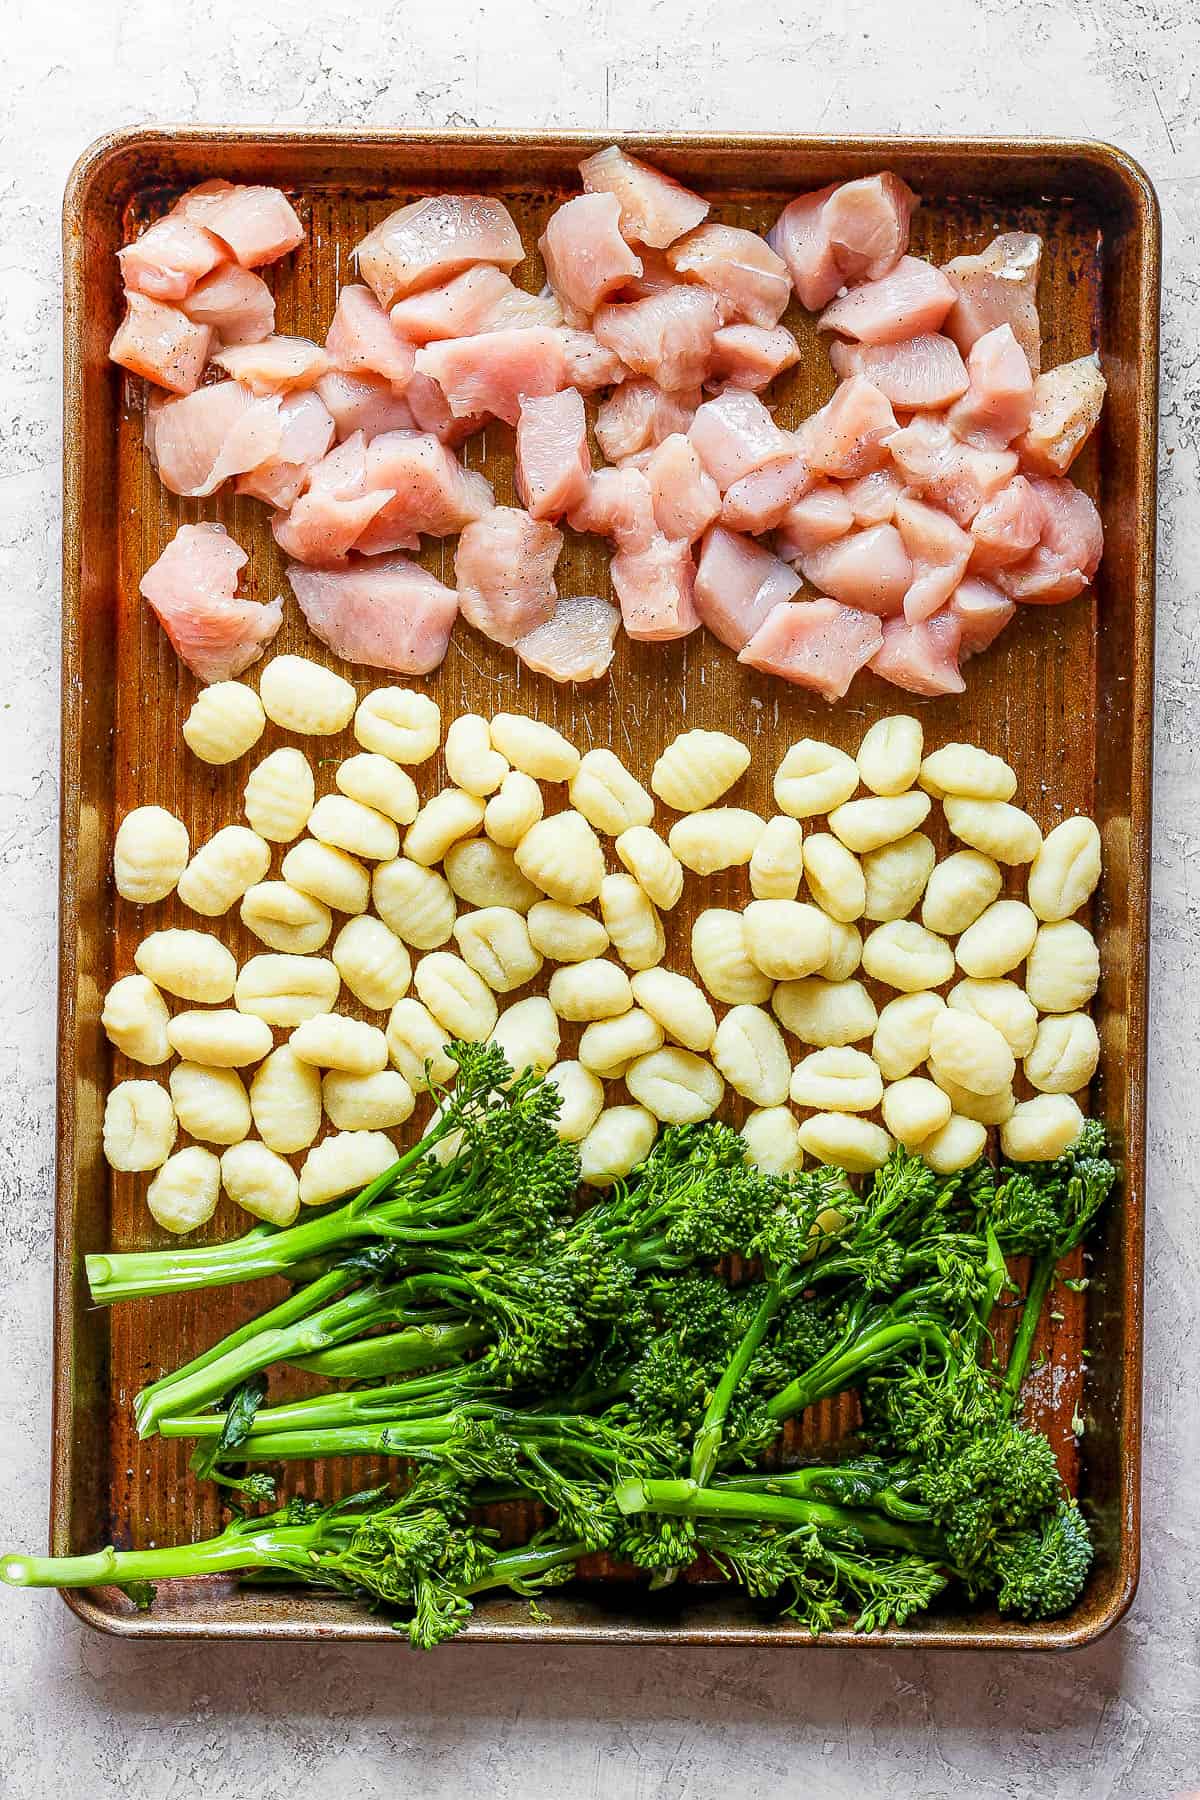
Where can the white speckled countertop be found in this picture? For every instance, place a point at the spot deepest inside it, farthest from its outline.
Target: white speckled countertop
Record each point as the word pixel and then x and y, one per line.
pixel 87 1715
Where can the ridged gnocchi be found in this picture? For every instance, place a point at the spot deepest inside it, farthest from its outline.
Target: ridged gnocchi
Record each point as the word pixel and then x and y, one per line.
pixel 226 720
pixel 372 961
pixel 534 747
pixel 349 825
pixel 965 769
pixel 652 863
pixel 495 942
pixel 561 855
pixel 285 990
pixel 135 1020
pixel 222 870
pixel 284 918
pixel 335 1041
pixel 720 837
pixel 414 902
pixel 184 1192
pixel 999 830
pixel 279 795
pixel 285 1102
pixel 632 923
pixel 697 767
pixel 609 797
pixel 305 697
pixel 399 723
pixel 456 996
pixel 219 1037
pixel 150 854
pixel 722 958
pixel 210 1103
pixel 676 1086
pixel 327 874
pixel 777 865
pixel 192 965
pixel 442 821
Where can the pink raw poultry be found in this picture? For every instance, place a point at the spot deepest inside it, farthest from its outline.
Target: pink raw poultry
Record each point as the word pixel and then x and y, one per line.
pixel 191 589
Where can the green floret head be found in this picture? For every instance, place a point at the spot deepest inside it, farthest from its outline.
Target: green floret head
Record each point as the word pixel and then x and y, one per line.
pixel 1040 1573
pixel 993 1483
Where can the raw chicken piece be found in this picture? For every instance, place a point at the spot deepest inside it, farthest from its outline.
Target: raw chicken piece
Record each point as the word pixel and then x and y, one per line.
pixel 1066 405
pixel 934 463
pixel 868 569
pixel 668 337
pixel 169 258
pixel 939 551
pixel 655 588
pixel 998 287
pixel 734 434
pixel 1007 527
pixel 1069 553
pixel 362 339
pixel 738 584
pixel 585 255
pixel 913 299
pixel 922 658
pixel 685 499
pixel 800 235
pixel 276 365
pixel 429 408
pixel 198 441
pixel 495 370
pixel 747 356
pixel 553 464
pixel 306 433
pixel 504 566
pixel 589 364
pixel 576 643
pixel 818 517
pixel 996 407
pixel 326 522
pixel 873 497
pixel 482 298
pixel 363 403
pixel 161 343
pixel 657 276
pixel 924 371
pixel 982 612
pixel 258 223
pixel 430 491
pixel 759 501
pixel 617 505
pixel 637 415
pixel 867 221
pixel 431 240
pixel 191 589
pixel 388 613
pixel 655 209
pixel 851 433
pixel 238 305
pixel 750 282
pixel 817 644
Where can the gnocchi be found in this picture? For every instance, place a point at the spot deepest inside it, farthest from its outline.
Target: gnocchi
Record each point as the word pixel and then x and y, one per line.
pixel 285 990
pixel 139 1126
pixel 285 1102
pixel 150 853
pixel 846 1140
pixel 845 952
pixel 372 961
pixel 1040 1129
pixel 826 1014
pixel 596 989
pixel 835 877
pixel 457 997
pixel 971 1052
pixel 184 1192
pixel 279 795
pixel 777 865
pixel 1064 1055
pixel 534 748
pixel 527 1032
pixel 441 822
pixel 495 942
pixel 379 783
pixel 561 855
pixel 223 870
pixel 697 767
pixel 608 1046
pixel 226 720
pixel 513 809
pixel 896 875
pixel 1004 1005
pixel 958 1144
pixel 676 1086
pixel 814 778
pixel 676 1004
pixel 749 1051
pixel 772 1138
pixel 786 938
pixel 471 762
pixel 135 1020
pixel 652 863
pixel 914 1109
pixel 334 1041
pixel 984 1109
pixel 367 1102
pixel 260 1182
pixel 1062 971
pixel 351 826
pixel 416 1044
pixel 620 1138
pixel 837 1079
pixel 344 1163
pixel 869 824
pixel 904 1032
pixel 999 830
pixel 193 965
pixel 581 1101
pixel 210 1103
pixel 484 874
pixel 720 837
pixel 609 797
pixel 304 697
pixel 284 918
pixel 907 957
pixel 219 1038
pixel 414 902
pixel 400 724
pixel 1064 873
pixel 565 934
pixel 1001 937
pixel 967 770
pixel 722 958
pixel 889 757
pixel 634 927
pixel 960 888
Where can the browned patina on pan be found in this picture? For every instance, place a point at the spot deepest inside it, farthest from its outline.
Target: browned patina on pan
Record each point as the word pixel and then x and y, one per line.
pixel 1067 703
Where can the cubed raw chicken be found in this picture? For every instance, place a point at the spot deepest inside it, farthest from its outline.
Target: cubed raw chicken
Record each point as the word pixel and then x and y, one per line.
pixel 748 280
pixel 434 239
pixel 364 403
pixel 867 221
pixel 800 235
pixel 1006 528
pixel 387 612
pixel 493 371
pixel 870 570
pixel 921 658
pixel 617 505
pixel 576 643
pixel 362 339
pixel 996 407
pixel 852 432
pixel 738 583
pixel 586 257
pixel 817 644
pixel 191 589
pixel 749 356
pixel 686 500
pixel 655 209
pixel 982 612
pixel 236 303
pixel 668 337
pixel 818 517
pixel 169 258
pixel 936 465
pixel 734 435
pixel 504 567
pixel 655 588
pixel 432 494
pixel 872 498
pixel 1066 405
pixel 912 300
pixel 637 415
pixel 306 433
pixel 258 224
pixel 198 441
pixel 998 287
pixel 482 298
pixel 657 276
pixel 924 372
pixel 939 551
pixel 429 408
pixel 276 365
pixel 327 521
pixel 553 464
pixel 1069 552
pixel 161 343
pixel 760 500
pixel 589 364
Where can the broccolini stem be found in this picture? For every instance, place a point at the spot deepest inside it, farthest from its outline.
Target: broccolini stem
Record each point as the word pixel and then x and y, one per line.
pixel 802 1484
pixel 707 1446
pixel 395 1352
pixel 687 1500
pixel 214 1556
pixel 839 1369
pixel 1035 1299
pixel 517 1568
pixel 422 1398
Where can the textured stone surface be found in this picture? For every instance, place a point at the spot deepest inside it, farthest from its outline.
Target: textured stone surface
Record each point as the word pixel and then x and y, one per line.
pixel 86 1715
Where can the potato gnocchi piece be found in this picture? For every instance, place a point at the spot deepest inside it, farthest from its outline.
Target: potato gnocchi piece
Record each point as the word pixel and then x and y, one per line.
pixel 527 1032
pixel 210 1103
pixel 561 855
pixel 772 1138
pixel 835 877
pixel 837 1079
pixel 596 989
pixel 971 1052
pixel 184 1193
pixel 367 1102
pixel 139 1126
pixel 441 822
pixel 534 747
pixel 677 1005
pixel 1001 831
pixel 351 826
pixel 513 810
pixel 222 870
pixel 1004 1005
pixel 581 1096
pixel 786 938
pixel 869 824
pixel 1064 1055
pixel 896 875
pixel 414 902
pixel 1001 938
pixel 652 863
pixel 565 934
pixel 226 720
pixel 621 1138
pixel 373 962
pixel 193 965
pixel 417 1045
pixel 305 697
pixel 889 757
pixel 903 1033
pixel 967 770
pixel 400 724
pixel 284 918
pixel 634 927
pixel 814 778
pixel 334 1041
pixel 286 990
pixel 721 837
pixel 471 762
pixel 722 959
pixel 327 874
pixel 483 874
pixel 956 1146
pixel 609 797
pixel 150 853
pixel 827 1014
pixel 279 795
pixel 984 1109
pixel 343 1164
pixel 676 1085
pixel 377 782
pixel 285 1102
pixel 221 1038
pixel 777 865
pixel 914 1109
pixel 458 998
pixel 1041 1129
pixel 495 942
pixel 608 1046
pixel 1062 971
pixel 261 1183
pixel 697 767
pixel 749 1051
pixel 1064 873
pixel 907 957
pixel 846 1140
pixel 960 888
pixel 135 1020
pixel 845 952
